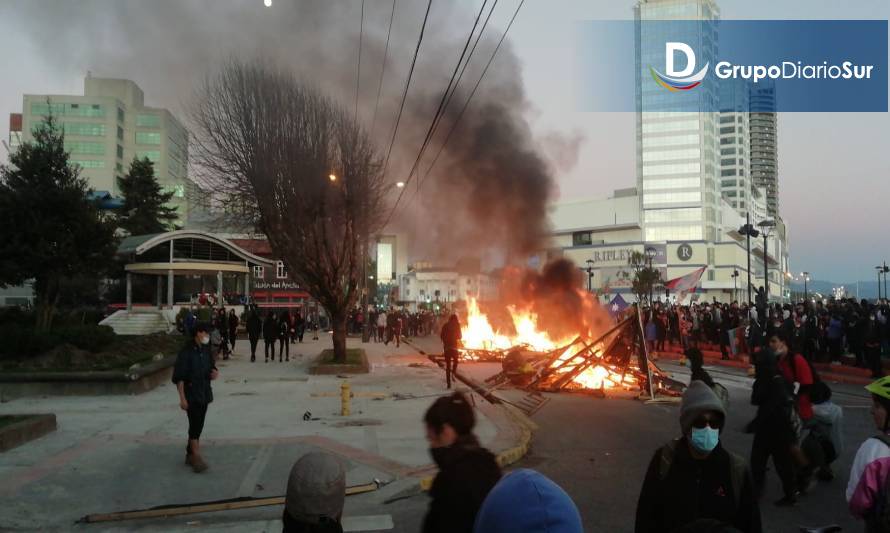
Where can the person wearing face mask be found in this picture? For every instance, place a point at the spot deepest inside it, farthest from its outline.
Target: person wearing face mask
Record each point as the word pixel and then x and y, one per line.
pixel 467 471
pixel 192 373
pixel 694 477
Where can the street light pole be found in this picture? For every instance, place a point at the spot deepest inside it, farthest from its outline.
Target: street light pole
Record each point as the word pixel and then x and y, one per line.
pixel 589 275
pixel 886 269
pixel 748 231
pixel 806 278
pixel 765 227
pixel 879 269
pixel 735 285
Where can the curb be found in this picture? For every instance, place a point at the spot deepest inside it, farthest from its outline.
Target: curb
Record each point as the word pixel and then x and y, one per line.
pixel 29 428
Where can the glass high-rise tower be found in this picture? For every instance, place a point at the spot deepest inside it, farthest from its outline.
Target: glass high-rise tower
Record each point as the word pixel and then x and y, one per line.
pixel 678 145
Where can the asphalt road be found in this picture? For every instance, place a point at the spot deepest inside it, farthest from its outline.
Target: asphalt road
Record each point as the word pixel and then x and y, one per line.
pixel 598 451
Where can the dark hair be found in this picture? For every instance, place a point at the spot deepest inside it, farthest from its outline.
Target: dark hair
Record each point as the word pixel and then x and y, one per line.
pixel 820 392
pixel 453 410
pixel 782 335
pixel 202 327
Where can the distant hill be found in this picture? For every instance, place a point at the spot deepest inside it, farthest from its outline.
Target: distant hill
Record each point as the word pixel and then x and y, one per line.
pixel 867 289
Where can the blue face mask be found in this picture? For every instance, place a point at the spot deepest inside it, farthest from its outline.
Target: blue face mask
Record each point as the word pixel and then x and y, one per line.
pixel 705 439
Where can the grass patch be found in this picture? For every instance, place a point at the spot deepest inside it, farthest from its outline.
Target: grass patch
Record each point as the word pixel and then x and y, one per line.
pixel 353 357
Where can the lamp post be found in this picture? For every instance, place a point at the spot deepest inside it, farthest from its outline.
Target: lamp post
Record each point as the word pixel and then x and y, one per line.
pixel 880 269
pixel 748 231
pixel 806 278
pixel 886 270
pixel 765 227
pixel 589 275
pixel 735 285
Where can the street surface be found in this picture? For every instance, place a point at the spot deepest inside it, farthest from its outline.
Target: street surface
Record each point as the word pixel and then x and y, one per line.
pixel 598 449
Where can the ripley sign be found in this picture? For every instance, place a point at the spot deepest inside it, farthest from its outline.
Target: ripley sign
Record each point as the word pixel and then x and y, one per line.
pixel 611 256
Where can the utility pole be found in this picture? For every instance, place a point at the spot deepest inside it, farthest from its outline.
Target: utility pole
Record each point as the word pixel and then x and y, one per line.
pixel 748 231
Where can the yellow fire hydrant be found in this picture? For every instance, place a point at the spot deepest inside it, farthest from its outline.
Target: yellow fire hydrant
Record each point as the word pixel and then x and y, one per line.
pixel 344 398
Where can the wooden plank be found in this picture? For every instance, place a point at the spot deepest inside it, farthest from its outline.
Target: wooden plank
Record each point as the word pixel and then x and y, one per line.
pixel 207 507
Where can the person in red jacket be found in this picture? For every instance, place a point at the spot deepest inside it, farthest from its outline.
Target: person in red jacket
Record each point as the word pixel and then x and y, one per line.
pixel 796 371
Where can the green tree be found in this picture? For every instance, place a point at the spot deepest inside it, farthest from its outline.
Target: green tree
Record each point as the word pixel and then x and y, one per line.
pixel 51 230
pixel 645 277
pixel 145 205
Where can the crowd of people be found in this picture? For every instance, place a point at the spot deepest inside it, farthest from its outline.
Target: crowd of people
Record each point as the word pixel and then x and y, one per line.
pixel 693 483
pixel 819 331
pixel 388 324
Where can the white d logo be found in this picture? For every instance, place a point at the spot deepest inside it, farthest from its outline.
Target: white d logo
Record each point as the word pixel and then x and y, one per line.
pixel 669 49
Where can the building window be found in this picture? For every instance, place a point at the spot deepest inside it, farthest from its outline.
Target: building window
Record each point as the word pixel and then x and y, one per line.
pixel 259 272
pixel 81 147
pixel 710 275
pixel 728 172
pixel 120 133
pixel 89 163
pixel 153 155
pixel 84 128
pixel 120 152
pixel 280 270
pixel 120 115
pixel 148 137
pixel 148 121
pixel 581 238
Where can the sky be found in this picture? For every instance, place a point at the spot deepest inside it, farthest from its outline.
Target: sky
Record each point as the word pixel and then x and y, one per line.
pixel 833 167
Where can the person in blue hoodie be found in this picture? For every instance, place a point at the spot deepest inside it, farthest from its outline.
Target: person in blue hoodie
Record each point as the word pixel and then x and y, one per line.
pixel 528 501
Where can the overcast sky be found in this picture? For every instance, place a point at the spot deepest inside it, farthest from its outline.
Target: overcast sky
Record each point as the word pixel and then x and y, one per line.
pixel 834 169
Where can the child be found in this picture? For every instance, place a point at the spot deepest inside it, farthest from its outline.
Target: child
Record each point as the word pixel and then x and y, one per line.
pixel 871 467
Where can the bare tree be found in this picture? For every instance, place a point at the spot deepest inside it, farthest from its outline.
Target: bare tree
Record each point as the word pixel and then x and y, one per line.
pixel 283 158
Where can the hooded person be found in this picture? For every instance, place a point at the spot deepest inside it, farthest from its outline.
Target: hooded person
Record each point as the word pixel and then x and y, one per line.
pixel 316 488
pixel 694 477
pixel 528 501
pixel 467 471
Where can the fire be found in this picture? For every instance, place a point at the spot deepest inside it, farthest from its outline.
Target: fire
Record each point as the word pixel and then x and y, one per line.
pixel 478 333
pixel 594 377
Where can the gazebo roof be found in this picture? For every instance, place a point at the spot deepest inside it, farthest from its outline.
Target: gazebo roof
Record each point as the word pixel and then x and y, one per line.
pixel 139 244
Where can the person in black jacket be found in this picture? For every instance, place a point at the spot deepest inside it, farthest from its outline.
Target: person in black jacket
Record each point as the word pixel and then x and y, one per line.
pixel 270 334
pixel 192 373
pixel 254 329
pixel 774 430
pixel 696 365
pixel 694 477
pixel 451 337
pixel 283 336
pixel 467 471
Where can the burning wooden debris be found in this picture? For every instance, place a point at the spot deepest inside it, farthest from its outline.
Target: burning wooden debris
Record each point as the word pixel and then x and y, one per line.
pixel 617 359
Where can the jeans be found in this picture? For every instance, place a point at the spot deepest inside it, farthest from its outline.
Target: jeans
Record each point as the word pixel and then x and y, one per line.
pixel 270 344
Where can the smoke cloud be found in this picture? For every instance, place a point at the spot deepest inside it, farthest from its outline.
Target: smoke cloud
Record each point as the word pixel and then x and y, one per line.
pixel 486 195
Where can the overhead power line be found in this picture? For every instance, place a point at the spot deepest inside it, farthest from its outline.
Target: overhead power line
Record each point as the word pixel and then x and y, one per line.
pixel 463 109
pixel 395 129
pixel 383 69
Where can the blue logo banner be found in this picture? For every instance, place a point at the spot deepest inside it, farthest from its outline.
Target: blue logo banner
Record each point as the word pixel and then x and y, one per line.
pixel 725 65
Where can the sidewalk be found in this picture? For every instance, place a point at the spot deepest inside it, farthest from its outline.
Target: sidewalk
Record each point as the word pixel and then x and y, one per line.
pixel 115 453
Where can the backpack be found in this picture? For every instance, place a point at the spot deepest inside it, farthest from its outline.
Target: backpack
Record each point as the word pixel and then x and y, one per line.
pixel 737 471
pixel 879 520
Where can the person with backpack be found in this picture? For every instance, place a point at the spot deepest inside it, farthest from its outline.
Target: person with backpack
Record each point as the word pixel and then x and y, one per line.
pixel 796 370
pixel 824 443
pixel 776 428
pixel 694 477
pixel 868 496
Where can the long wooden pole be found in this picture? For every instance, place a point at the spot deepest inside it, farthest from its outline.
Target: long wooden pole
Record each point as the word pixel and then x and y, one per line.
pixel 165 511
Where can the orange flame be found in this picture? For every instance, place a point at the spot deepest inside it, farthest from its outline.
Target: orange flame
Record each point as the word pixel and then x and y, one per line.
pixel 479 334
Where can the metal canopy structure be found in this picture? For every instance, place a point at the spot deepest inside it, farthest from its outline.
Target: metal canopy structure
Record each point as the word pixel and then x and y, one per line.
pixel 186 252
